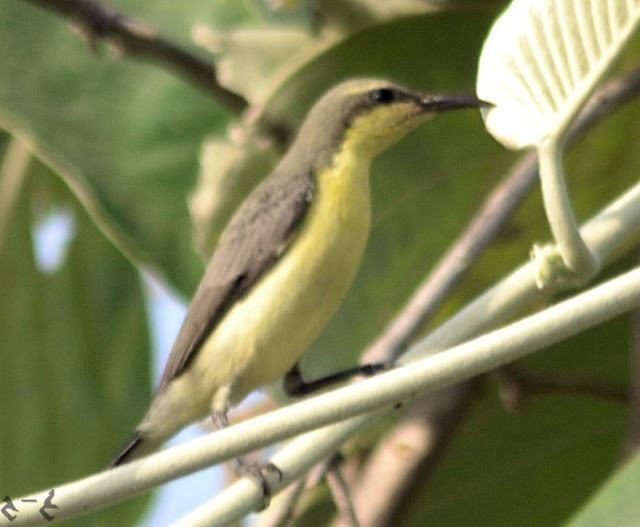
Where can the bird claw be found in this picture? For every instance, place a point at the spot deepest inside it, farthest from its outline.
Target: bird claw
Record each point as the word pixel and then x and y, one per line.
pixel 376 367
pixel 255 470
pixel 258 472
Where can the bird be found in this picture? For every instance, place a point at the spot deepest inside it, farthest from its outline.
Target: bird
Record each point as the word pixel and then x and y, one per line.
pixel 285 260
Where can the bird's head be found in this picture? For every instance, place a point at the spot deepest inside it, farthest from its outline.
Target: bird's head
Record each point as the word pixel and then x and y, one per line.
pixel 369 115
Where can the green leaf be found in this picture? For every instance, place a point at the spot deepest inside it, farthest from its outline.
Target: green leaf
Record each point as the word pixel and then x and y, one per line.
pixel 74 347
pixel 123 135
pixel 616 502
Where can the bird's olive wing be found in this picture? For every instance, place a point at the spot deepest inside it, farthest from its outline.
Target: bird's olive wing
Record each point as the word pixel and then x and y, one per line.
pixel 256 236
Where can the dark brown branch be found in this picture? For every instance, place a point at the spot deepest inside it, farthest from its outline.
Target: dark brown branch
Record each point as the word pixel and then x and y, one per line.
pixel 341 493
pixel 517 385
pixel 496 211
pixel 139 40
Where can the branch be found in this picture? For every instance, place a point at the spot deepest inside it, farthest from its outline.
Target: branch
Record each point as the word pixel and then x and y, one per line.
pixel 496 211
pixel 140 40
pixel 516 385
pixel 342 494
pixel 376 395
pixel 409 455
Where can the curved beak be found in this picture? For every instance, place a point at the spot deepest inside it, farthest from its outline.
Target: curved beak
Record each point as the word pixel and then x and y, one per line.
pixel 441 103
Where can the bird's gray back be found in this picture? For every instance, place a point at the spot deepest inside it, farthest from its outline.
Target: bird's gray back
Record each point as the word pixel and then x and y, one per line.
pixel 257 234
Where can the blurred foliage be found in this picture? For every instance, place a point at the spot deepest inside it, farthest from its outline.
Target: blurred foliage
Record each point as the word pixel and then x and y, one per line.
pixel 122 146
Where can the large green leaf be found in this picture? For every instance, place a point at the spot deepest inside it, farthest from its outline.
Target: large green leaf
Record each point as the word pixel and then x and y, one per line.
pixel 74 347
pixel 535 466
pixel 124 135
pixel 616 502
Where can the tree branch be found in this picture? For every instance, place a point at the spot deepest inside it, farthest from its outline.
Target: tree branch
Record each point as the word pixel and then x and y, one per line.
pixel 341 493
pixel 517 385
pixel 140 40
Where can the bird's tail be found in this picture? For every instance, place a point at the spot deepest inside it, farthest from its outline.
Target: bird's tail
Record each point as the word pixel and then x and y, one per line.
pixel 137 446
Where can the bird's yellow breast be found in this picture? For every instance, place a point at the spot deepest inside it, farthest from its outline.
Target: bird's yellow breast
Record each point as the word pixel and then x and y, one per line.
pixel 264 334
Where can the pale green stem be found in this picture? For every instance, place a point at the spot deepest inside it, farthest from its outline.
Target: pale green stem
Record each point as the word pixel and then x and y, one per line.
pixel 575 253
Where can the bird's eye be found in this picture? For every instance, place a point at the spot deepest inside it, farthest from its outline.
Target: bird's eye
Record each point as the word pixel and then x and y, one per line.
pixel 383 96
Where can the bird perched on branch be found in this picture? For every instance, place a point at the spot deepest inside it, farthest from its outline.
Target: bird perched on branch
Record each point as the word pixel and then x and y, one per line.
pixel 286 259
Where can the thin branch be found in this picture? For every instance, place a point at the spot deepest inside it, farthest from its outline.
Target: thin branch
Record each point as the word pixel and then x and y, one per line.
pixel 348 404
pixel 514 292
pixel 341 494
pixel 496 211
pixel 517 385
pixel 140 40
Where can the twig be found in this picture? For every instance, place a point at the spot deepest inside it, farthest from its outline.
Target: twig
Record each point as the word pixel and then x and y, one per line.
pixel 142 41
pixel 516 386
pixel 341 494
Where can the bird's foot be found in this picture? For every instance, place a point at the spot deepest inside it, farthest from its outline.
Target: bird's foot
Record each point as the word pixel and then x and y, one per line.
pixel 260 473
pixel 295 386
pixel 257 471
